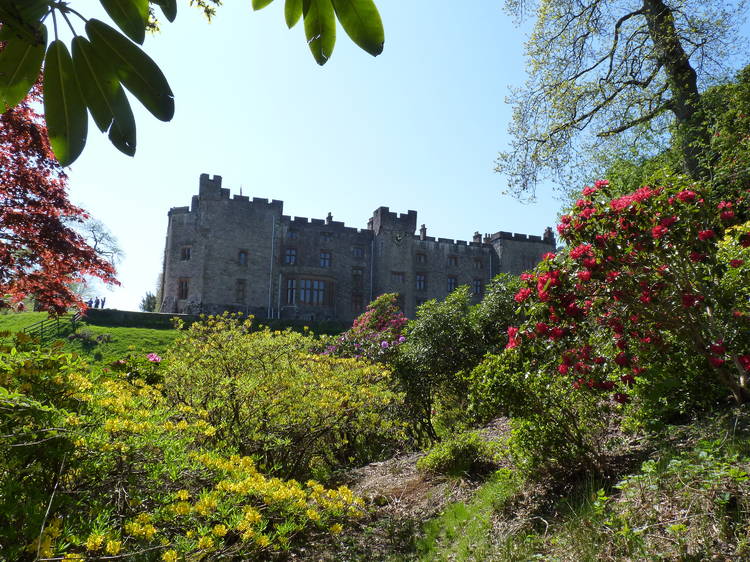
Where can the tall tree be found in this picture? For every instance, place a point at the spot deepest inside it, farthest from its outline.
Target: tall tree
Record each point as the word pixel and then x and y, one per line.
pixel 615 72
pixel 41 255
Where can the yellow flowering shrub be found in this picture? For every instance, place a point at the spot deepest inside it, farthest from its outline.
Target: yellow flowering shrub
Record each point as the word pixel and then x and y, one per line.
pixel 107 465
pixel 268 395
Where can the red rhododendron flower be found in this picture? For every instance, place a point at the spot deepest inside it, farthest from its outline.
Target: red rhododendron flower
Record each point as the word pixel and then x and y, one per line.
pixel 621 398
pixel 736 263
pixel 727 215
pixel 523 294
pixel 706 234
pixel 697 256
pixel 668 221
pixel 717 348
pixel 548 256
pixel 744 361
pixel 513 340
pixel 586 274
pixel 716 361
pixel 562 369
pixel 687 196
pixel 659 231
pixel 542 328
pixel 622 360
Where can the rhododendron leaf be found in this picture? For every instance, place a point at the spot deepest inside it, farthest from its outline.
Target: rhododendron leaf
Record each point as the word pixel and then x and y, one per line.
pixel 361 21
pixel 64 108
pixel 320 28
pixel 135 69
pixel 122 131
pixel 22 18
pixel 131 16
pixel 292 12
pixel 98 82
pixel 168 8
pixel 260 4
pixel 20 64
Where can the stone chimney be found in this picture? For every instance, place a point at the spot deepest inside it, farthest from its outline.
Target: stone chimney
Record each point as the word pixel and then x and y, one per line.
pixel 329 218
pixel 422 232
pixel 477 237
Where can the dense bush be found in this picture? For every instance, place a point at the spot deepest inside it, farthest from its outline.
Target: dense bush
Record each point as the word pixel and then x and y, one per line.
pixel 462 454
pixel 96 465
pixel 446 341
pixel 552 427
pixel 267 395
pixel 643 278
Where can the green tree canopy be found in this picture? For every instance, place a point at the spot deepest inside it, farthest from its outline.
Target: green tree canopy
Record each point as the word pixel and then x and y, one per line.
pixel 615 73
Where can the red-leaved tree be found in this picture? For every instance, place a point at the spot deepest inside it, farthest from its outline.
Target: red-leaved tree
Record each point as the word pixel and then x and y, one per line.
pixel 40 255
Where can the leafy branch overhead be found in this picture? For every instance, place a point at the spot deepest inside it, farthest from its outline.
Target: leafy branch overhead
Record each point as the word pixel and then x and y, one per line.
pixel 605 75
pixel 93 74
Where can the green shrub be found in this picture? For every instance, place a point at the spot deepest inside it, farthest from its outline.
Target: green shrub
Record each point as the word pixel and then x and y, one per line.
pixel 95 465
pixel 465 453
pixel 552 426
pixel 268 396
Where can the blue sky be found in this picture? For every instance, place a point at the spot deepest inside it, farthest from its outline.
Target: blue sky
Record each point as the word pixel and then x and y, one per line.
pixel 416 128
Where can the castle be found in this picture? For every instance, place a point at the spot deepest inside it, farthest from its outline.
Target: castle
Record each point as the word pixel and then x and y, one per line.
pixel 244 255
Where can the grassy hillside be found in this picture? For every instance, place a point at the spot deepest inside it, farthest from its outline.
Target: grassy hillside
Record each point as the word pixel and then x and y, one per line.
pixel 100 344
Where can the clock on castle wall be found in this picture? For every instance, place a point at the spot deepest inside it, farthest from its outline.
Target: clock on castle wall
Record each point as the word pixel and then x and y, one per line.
pixel 398 238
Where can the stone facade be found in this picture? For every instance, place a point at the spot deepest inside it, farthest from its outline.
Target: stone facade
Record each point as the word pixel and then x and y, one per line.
pixel 245 255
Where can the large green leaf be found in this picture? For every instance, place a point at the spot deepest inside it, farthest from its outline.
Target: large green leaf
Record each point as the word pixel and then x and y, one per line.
pixel 122 131
pixel 292 12
pixel 168 8
pixel 361 21
pixel 135 69
pixel 104 96
pixel 320 28
pixel 260 4
pixel 98 82
pixel 20 65
pixel 130 15
pixel 64 109
pixel 22 17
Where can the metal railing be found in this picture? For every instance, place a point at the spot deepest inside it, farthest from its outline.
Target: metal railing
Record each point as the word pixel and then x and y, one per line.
pixel 53 326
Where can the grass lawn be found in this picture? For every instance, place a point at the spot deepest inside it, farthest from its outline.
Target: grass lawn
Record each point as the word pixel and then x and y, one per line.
pixel 17 321
pixel 120 341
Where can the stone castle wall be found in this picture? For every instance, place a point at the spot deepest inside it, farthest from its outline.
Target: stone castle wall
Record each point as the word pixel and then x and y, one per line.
pixel 241 254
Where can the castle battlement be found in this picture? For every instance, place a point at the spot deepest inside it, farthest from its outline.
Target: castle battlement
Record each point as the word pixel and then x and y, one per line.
pixel 242 254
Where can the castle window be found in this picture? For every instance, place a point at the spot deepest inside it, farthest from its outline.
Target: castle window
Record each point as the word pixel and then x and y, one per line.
pixel 240 290
pixel 358 276
pixel 291 289
pixel 453 261
pixel 242 257
pixel 421 258
pixel 290 256
pixel 185 253
pixel 291 235
pixel 476 287
pixel 421 282
pixel 312 291
pixel 358 252
pixel 452 284
pixel 325 259
pixel 183 288
pixel 357 303
pixel 326 236
pixel 397 277
pixel 477 264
